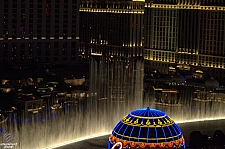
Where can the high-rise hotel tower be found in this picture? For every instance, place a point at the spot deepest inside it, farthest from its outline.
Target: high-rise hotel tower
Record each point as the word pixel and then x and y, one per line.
pixel 111 28
pixel 186 33
pixel 43 31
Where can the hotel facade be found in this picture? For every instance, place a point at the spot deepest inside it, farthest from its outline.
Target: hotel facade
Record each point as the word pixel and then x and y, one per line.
pixel 111 28
pixel 185 34
pixel 168 34
pixel 44 31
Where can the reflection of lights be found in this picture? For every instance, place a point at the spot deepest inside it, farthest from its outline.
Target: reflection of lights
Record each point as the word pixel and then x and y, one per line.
pixel 1 130
pixel 76 140
pixel 56 106
pixel 200 120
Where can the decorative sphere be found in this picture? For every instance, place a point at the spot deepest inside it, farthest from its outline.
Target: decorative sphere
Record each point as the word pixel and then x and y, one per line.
pixel 144 129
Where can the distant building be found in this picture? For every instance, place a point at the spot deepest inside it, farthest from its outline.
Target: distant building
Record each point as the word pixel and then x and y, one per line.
pixel 166 33
pixel 111 28
pixel 187 32
pixel 44 31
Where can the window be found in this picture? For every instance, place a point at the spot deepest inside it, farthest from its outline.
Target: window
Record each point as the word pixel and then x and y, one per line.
pixel 64 58
pixel 39 11
pixel 65 45
pixel 14 21
pixel 6 5
pixel 73 45
pixel 22 5
pixel 38 20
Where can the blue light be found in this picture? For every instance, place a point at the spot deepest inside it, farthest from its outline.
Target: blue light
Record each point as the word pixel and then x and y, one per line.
pixel 147 125
pixel 35 119
pixel 1 130
pixel 131 132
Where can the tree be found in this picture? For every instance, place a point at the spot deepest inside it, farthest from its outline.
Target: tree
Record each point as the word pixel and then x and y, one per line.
pixel 218 139
pixel 206 140
pixel 196 140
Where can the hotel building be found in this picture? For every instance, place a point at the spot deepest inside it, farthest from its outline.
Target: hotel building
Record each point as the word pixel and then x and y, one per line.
pixel 45 31
pixel 111 28
pixel 188 34
pixel 185 33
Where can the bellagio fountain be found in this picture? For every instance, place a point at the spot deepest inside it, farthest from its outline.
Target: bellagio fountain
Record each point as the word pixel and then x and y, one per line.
pixel 115 89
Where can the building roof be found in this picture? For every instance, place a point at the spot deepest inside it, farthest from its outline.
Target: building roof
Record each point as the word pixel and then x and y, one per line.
pixel 147 128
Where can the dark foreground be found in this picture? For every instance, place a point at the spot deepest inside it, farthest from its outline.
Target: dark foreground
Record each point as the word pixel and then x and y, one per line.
pixel 205 127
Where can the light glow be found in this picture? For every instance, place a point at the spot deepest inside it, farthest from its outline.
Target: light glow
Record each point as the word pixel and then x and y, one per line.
pixel 200 120
pixel 96 54
pixel 19 38
pixel 145 120
pixel 221 8
pixel 77 140
pixel 138 0
pixel 113 10
pixel 104 134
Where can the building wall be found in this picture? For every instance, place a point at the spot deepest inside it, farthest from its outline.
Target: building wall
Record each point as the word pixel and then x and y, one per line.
pixel 185 32
pixel 111 28
pixel 39 31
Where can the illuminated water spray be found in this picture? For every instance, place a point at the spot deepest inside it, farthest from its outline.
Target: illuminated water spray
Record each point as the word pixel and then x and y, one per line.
pixel 116 88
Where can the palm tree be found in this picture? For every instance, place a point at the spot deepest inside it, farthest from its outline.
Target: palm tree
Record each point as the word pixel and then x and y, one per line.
pixel 218 139
pixel 196 140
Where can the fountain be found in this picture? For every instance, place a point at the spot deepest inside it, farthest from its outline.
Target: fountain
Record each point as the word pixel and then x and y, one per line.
pixel 116 88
